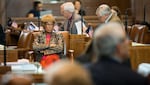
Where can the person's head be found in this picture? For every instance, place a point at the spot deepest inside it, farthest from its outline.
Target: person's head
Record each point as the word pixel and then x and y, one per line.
pixel 48 22
pixel 116 10
pixel 77 4
pixel 103 12
pixel 110 41
pixel 67 9
pixel 16 79
pixel 38 5
pixel 66 73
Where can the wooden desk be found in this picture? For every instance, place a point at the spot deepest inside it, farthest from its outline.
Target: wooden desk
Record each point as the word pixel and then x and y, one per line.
pixel 139 54
pixel 12 55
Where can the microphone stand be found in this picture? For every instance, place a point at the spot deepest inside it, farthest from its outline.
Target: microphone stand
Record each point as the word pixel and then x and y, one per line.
pixel 5 68
pixel 144 17
pixel 82 21
pixel 126 20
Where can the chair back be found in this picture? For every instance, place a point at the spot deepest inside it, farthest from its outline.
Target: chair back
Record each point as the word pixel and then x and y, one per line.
pixel 66 41
pixel 25 40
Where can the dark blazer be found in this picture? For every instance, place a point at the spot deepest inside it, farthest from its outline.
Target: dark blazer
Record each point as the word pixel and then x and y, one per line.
pixel 34 12
pixel 82 12
pixel 72 27
pixel 110 72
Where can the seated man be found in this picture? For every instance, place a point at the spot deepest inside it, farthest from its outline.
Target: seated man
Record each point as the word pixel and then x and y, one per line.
pixel 35 12
pixel 73 20
pixel 111 49
pixel 67 73
pixel 16 79
pixel 48 43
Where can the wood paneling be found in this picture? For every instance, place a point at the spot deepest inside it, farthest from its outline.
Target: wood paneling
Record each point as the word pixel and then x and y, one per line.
pixel 138 9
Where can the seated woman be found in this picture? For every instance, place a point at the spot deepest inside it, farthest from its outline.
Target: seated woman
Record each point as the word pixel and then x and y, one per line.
pixel 48 45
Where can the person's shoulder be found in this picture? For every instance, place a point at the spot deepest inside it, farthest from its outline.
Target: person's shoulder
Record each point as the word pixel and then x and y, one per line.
pixel 77 17
pixel 115 18
pixel 32 11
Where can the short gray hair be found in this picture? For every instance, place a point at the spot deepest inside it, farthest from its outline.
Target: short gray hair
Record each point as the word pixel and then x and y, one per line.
pixel 68 6
pixel 103 10
pixel 9 76
pixel 106 37
pixel 64 72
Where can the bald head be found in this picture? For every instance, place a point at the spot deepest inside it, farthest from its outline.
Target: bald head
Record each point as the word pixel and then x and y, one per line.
pixel 110 40
pixel 16 79
pixel 67 73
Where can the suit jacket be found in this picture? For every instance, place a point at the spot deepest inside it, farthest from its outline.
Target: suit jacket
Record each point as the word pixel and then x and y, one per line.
pixel 115 18
pixel 110 72
pixel 39 44
pixel 72 28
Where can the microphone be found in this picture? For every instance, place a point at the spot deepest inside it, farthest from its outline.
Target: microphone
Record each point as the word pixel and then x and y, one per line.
pixel 82 21
pixel 126 19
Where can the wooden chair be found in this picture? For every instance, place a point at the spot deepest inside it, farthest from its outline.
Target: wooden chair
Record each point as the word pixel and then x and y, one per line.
pixel 68 53
pixel 133 34
pixel 24 44
pixel 137 33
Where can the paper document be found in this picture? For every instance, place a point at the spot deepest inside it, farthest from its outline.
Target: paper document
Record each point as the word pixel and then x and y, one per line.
pixel 79 27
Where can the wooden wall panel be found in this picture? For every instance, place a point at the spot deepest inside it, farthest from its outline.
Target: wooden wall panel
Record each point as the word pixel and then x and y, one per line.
pixel 91 5
pixel 138 9
pixel 19 8
pixel 2 12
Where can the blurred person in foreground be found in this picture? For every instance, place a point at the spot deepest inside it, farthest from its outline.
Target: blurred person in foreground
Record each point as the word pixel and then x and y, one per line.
pixel 66 73
pixel 16 79
pixel 48 45
pixel 111 47
pixel 72 24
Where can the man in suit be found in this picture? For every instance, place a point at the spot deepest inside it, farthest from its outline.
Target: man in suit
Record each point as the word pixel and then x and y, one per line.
pixel 72 18
pixel 111 48
pixel 105 14
pixel 35 12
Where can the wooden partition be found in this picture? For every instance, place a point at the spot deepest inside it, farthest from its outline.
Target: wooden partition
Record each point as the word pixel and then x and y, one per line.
pixel 78 44
pixel 138 55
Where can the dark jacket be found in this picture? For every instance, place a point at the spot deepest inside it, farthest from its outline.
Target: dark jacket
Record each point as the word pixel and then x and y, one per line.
pixel 110 72
pixel 34 12
pixel 82 12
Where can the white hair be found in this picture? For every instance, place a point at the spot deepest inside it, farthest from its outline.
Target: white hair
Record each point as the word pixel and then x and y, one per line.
pixel 9 76
pixel 106 37
pixel 103 10
pixel 68 6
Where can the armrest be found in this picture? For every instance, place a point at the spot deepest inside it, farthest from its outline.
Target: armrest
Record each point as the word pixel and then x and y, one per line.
pixel 30 55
